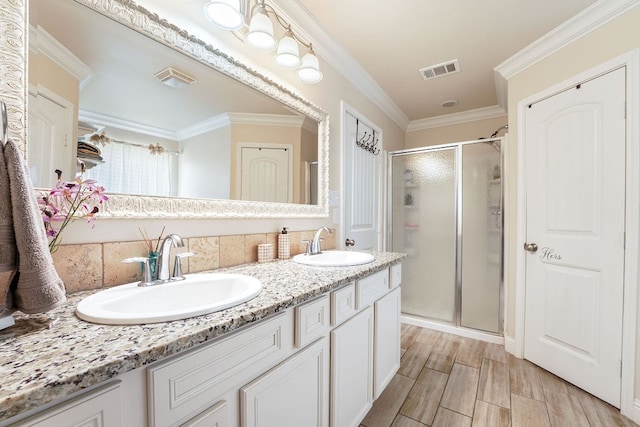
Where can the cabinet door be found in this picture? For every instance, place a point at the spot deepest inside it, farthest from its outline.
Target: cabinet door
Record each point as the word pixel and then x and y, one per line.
pixel 293 394
pixel 352 369
pixel 185 385
pixel 215 416
pixel 386 355
pixel 99 407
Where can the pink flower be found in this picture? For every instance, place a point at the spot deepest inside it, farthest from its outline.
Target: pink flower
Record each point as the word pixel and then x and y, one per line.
pixel 68 201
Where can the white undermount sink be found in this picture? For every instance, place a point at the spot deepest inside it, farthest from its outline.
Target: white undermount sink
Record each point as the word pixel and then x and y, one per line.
pixel 335 259
pixel 198 294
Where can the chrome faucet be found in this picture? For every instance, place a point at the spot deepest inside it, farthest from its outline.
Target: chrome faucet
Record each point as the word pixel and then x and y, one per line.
pixel 314 246
pixel 162 268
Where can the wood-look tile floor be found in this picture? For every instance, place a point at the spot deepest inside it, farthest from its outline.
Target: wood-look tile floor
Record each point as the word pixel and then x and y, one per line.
pixel 448 380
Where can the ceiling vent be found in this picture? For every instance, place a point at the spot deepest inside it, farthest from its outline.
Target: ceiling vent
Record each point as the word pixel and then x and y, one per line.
pixel 174 78
pixel 440 70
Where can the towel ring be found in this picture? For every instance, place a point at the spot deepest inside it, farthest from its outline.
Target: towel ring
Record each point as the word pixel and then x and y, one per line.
pixel 5 124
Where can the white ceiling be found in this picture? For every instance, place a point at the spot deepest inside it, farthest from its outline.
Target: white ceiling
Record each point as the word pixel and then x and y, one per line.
pixel 379 44
pixel 392 40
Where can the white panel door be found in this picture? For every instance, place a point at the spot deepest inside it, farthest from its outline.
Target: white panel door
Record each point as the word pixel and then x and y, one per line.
pixel 362 190
pixel 50 145
pixel 266 175
pixel 575 183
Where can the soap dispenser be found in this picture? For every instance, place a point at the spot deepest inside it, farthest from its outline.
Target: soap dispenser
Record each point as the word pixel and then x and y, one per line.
pixel 284 245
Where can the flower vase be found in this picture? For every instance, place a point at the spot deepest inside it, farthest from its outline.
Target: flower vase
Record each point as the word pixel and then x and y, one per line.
pixel 153 258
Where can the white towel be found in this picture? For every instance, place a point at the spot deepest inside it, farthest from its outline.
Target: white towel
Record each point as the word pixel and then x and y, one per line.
pixel 36 287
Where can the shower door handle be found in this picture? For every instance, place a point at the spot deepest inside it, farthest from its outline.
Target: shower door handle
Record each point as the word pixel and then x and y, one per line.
pixel 531 247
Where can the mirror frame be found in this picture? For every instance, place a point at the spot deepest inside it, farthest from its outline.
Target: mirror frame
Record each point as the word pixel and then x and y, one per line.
pixel 14 49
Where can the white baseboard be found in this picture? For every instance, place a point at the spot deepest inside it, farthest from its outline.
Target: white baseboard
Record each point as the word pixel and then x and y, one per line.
pixel 635 416
pixel 450 329
pixel 511 347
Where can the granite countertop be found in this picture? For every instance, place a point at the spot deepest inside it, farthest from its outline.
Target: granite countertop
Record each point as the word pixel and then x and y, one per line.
pixel 45 357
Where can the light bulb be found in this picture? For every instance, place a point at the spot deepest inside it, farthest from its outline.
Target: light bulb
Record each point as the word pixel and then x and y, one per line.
pixel 309 71
pixel 260 33
pixel 288 55
pixel 224 13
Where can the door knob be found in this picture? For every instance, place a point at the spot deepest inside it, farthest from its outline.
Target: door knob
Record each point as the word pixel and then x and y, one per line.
pixel 349 242
pixel 531 247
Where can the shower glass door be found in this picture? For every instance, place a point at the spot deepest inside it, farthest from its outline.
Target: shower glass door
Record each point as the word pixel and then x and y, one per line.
pixel 446 214
pixel 424 226
pixel 481 236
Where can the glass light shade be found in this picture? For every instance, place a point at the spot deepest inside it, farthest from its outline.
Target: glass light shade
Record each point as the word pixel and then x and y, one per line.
pixel 288 55
pixel 309 71
pixel 224 13
pixel 260 33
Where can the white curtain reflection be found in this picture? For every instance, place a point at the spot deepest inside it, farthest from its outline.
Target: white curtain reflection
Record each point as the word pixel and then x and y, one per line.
pixel 132 169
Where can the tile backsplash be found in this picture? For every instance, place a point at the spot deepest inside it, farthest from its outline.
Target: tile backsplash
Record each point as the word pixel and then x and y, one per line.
pixel 98 265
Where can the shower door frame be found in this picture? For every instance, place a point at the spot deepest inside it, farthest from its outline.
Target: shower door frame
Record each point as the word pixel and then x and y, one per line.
pixel 457 146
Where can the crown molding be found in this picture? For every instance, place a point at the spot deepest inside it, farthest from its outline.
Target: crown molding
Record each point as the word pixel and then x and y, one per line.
pixel 338 57
pixel 457 118
pixel 585 22
pixel 590 19
pixel 204 126
pixel 41 42
pixel 105 120
pixel 266 119
pixel 227 119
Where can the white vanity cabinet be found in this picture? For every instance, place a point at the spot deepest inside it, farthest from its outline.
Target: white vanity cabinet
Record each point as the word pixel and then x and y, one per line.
pixel 386 340
pixel 97 407
pixel 321 363
pixel 186 386
pixel 365 349
pixel 352 369
pixel 294 393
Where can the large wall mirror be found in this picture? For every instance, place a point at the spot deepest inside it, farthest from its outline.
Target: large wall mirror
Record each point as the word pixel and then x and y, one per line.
pixel 169 125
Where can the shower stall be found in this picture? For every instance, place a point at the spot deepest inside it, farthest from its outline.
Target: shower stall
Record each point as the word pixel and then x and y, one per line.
pixel 445 212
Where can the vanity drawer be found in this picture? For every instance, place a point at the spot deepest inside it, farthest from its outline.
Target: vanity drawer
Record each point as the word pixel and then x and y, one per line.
pixel 343 304
pixel 395 273
pixel 372 287
pixel 185 386
pixel 312 321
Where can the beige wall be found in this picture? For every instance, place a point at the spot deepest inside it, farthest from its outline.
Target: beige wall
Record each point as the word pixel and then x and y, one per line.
pixel 44 72
pixel 605 43
pixel 454 133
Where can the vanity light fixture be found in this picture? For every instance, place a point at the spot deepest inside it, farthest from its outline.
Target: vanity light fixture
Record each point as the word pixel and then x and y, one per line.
pixel 260 34
pixel 288 53
pixel 309 71
pixel 226 14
